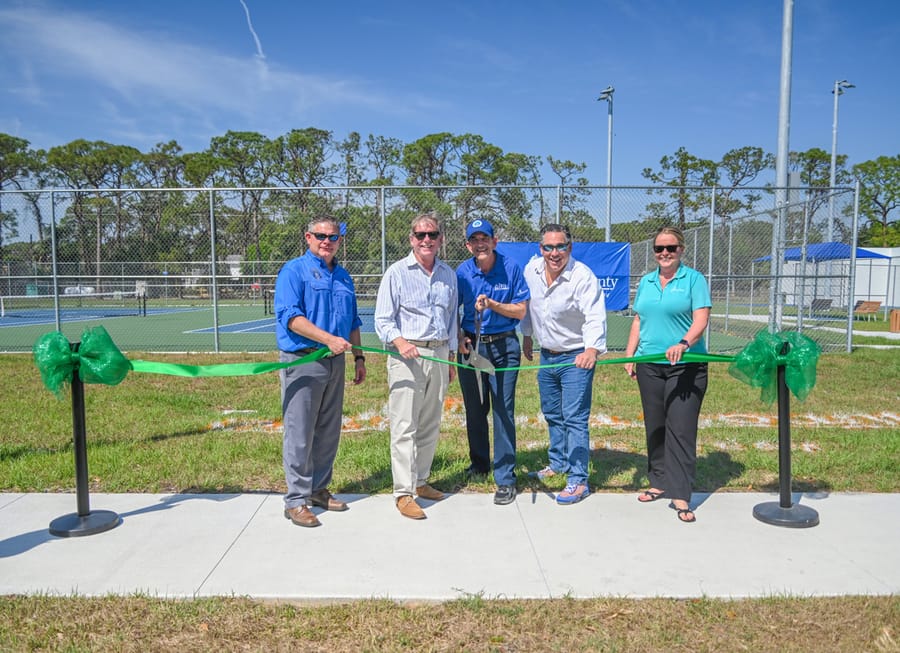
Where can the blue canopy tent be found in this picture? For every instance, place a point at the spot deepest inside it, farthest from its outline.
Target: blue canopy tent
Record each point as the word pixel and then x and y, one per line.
pixel 820 252
pixel 824 252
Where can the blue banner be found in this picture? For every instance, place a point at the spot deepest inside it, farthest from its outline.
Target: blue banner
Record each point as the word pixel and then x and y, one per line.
pixel 610 262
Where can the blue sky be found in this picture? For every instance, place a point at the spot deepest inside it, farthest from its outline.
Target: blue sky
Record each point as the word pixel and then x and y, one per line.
pixel 702 74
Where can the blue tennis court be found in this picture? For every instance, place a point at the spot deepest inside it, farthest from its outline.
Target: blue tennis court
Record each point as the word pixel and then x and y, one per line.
pixel 45 316
pixel 267 325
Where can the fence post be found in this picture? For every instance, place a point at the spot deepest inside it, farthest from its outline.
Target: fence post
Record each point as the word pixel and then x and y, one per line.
pixel 383 230
pixel 709 269
pixel 56 314
pixel 559 204
pixel 854 241
pixel 214 288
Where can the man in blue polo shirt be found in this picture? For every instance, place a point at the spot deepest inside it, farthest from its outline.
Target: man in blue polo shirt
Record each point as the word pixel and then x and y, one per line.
pixel 315 307
pixel 493 291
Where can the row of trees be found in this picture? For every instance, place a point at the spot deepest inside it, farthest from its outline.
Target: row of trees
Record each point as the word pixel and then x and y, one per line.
pixel 465 175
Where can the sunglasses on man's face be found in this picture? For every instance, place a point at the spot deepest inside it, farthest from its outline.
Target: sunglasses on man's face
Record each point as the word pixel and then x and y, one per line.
pixel 320 237
pixel 669 248
pixel 559 248
pixel 420 235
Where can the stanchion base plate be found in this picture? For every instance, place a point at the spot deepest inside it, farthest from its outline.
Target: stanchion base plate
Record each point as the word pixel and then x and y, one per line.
pixel 796 516
pixel 75 525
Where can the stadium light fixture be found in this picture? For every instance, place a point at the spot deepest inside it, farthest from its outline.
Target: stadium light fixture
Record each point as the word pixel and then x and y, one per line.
pixel 839 86
pixel 606 95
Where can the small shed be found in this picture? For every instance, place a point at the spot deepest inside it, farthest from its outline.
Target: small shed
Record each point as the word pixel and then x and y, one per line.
pixel 803 286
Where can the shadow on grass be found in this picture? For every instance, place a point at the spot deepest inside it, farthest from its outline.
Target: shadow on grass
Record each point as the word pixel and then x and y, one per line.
pixel 715 470
pixel 8 453
pixel 798 486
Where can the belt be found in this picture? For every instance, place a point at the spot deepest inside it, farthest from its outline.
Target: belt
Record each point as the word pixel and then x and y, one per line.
pixel 430 344
pixel 306 351
pixel 488 338
pixel 544 350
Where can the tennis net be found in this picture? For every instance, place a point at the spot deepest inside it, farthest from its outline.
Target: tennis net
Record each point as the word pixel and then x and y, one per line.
pixel 81 306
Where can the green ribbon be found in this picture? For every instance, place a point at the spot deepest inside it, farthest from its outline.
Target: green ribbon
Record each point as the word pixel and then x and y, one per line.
pixel 97 359
pixel 224 369
pixel 756 364
pixel 647 358
pixel 246 369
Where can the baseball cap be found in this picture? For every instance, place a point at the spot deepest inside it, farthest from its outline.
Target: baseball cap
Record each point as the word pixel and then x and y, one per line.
pixel 479 226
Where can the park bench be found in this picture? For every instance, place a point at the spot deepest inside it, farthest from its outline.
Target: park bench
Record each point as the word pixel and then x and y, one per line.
pixel 819 306
pixel 866 309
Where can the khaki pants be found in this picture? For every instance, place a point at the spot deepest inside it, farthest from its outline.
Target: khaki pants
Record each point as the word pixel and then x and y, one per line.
pixel 416 401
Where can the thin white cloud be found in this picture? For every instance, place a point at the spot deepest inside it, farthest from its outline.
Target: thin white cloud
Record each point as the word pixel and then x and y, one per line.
pixel 155 71
pixel 28 90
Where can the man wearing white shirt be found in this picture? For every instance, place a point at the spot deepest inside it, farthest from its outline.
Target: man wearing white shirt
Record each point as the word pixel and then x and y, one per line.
pixel 416 315
pixel 567 316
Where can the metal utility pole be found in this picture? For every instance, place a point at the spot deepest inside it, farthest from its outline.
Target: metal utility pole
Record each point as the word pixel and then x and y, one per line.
pixel 776 299
pixel 839 86
pixel 607 95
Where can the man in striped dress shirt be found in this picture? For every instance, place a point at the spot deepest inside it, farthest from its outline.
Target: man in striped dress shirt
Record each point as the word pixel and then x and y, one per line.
pixel 416 316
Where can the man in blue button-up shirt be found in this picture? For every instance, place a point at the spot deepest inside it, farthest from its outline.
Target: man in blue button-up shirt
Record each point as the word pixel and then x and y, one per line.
pixel 315 307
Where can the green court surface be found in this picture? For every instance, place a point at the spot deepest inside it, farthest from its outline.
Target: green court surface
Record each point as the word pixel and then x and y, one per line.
pixel 242 328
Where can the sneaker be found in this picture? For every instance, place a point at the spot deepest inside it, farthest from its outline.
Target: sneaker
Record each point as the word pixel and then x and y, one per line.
pixel 572 494
pixel 542 474
pixel 505 494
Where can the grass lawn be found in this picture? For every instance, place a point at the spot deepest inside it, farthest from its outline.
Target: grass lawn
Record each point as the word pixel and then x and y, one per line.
pixel 157 433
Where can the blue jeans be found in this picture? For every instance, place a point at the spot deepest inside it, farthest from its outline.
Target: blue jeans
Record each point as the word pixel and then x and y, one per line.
pixel 566 404
pixel 500 390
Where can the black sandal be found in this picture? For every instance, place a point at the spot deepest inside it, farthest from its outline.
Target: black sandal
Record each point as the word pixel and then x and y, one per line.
pixel 685 515
pixel 651 496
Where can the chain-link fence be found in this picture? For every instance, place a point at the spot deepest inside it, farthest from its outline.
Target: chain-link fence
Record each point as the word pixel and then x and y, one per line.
pixel 194 269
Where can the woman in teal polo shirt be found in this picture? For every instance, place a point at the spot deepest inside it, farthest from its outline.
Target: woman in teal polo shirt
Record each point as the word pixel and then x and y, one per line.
pixel 671 313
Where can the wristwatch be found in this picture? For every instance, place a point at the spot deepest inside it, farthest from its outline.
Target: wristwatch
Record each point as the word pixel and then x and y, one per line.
pixel 685 343
pixel 359 357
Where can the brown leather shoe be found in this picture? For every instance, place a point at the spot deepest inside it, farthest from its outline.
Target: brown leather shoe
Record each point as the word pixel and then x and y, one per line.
pixel 409 508
pixel 302 516
pixel 428 492
pixel 325 499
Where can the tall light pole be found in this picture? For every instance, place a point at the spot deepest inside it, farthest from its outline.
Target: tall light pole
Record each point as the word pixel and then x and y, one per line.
pixel 607 95
pixel 839 86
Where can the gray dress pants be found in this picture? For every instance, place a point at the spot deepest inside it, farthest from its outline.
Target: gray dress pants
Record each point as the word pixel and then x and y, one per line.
pixel 312 400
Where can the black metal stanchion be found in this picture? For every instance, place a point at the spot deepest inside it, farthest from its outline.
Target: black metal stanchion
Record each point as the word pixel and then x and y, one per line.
pixel 785 512
pixel 83 522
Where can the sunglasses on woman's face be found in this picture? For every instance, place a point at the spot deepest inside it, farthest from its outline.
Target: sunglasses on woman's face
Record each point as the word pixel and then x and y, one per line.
pixel 420 235
pixel 320 237
pixel 669 248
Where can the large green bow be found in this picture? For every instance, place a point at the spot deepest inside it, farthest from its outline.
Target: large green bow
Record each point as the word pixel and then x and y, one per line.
pixel 757 362
pixel 97 360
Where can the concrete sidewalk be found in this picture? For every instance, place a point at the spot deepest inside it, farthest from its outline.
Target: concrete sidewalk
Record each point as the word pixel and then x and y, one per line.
pixel 192 545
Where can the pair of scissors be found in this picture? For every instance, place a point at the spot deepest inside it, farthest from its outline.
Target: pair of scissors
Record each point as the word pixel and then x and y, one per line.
pixel 474 359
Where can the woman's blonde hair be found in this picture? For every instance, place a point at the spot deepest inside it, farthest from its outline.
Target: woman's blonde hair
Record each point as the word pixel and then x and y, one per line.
pixel 672 231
